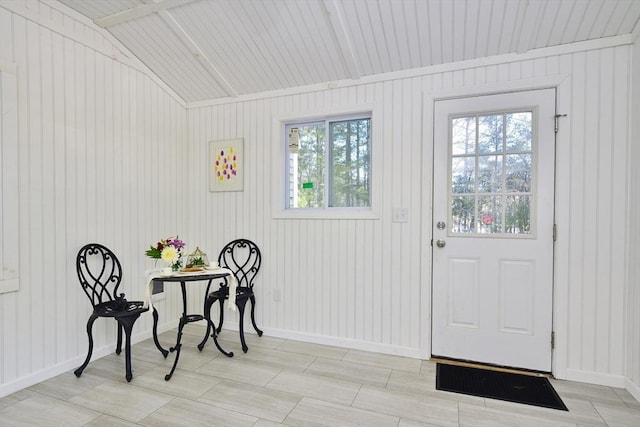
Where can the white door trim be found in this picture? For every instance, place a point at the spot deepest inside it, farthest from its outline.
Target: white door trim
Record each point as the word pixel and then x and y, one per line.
pixel 562 83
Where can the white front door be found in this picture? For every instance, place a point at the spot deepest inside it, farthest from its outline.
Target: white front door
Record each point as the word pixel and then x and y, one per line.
pixel 493 229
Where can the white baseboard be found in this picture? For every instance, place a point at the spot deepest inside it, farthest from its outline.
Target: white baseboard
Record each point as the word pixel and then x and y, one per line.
pixel 597 378
pixel 337 342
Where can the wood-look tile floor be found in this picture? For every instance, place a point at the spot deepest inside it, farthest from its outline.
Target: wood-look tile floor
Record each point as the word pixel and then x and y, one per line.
pixel 282 382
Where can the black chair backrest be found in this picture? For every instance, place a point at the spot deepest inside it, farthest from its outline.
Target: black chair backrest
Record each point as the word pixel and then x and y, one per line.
pixel 99 272
pixel 243 257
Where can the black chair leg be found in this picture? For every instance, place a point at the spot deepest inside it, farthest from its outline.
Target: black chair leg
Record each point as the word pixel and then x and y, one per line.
pixel 241 303
pixel 127 322
pixel 78 371
pixel 119 342
pixel 253 317
pixel 221 315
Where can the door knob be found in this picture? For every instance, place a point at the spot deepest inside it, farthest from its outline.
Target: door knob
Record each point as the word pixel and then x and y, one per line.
pixel 440 243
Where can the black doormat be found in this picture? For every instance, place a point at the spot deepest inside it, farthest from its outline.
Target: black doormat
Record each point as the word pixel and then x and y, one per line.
pixel 527 389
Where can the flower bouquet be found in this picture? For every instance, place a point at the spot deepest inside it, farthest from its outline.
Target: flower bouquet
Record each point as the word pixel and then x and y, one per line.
pixel 169 250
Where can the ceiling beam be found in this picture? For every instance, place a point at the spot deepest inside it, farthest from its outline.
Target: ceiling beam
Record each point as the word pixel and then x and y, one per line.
pixel 151 6
pixel 197 52
pixel 341 37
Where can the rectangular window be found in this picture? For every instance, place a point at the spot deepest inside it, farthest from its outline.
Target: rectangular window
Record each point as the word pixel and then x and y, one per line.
pixel 329 163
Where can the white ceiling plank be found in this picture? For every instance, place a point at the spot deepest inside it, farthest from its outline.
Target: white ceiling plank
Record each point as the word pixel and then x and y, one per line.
pixel 395 52
pixel 213 30
pixel 459 23
pixel 312 43
pixel 233 48
pixel 302 70
pixel 630 22
pixel 620 21
pixel 197 52
pixel 481 44
pixel 139 42
pixel 154 43
pixel 410 33
pixel 434 27
pixel 420 16
pixel 365 57
pixel 139 12
pixel 588 20
pixel 271 40
pixel 471 29
pixel 564 20
pixel 448 31
pixel 357 13
pixel 529 29
pixel 376 41
pixel 495 24
pixel 600 25
pixel 267 49
pixel 548 20
pixel 100 9
pixel 236 56
pixel 255 55
pixel 307 43
pixel 341 37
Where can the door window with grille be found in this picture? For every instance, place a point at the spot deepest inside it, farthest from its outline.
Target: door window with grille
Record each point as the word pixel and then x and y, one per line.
pixel 492 159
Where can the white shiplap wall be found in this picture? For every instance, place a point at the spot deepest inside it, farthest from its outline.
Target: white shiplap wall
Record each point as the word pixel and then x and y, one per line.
pixel 87 121
pixel 597 209
pixel 353 280
pixel 366 283
pixel 99 160
pixel 633 280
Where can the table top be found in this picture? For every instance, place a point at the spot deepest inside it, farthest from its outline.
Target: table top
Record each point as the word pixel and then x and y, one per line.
pixel 193 276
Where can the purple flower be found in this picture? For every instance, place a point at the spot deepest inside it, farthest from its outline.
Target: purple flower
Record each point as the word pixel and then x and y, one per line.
pixel 177 243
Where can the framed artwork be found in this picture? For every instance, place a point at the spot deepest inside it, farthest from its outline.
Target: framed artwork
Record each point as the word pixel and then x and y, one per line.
pixel 226 158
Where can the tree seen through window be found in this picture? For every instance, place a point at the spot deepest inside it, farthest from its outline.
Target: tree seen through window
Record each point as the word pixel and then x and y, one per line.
pixel 331 164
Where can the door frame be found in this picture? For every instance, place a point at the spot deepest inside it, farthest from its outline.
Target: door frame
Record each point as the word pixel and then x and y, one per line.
pixel 560 299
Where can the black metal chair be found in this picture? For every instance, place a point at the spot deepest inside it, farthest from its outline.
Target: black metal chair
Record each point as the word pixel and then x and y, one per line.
pixel 100 274
pixel 243 257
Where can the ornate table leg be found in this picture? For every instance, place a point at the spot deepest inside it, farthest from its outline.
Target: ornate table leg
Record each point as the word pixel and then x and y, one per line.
pixel 214 335
pixel 183 320
pixel 206 316
pixel 177 348
pixel 155 334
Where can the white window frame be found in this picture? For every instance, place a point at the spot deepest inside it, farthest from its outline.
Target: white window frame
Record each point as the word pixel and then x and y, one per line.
pixel 9 202
pixel 280 171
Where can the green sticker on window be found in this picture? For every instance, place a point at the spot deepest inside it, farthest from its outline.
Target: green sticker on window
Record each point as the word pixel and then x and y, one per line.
pixel 307 185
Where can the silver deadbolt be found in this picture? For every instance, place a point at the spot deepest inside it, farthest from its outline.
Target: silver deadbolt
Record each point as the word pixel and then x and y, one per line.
pixel 440 243
pixel 441 225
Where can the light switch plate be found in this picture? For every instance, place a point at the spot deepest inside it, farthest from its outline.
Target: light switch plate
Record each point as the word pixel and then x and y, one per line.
pixel 400 215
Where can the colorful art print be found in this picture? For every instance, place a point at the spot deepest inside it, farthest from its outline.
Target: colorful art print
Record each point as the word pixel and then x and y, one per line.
pixel 226 171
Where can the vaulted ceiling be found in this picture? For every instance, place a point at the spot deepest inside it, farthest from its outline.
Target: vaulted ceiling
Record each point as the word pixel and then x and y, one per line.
pixel 210 49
